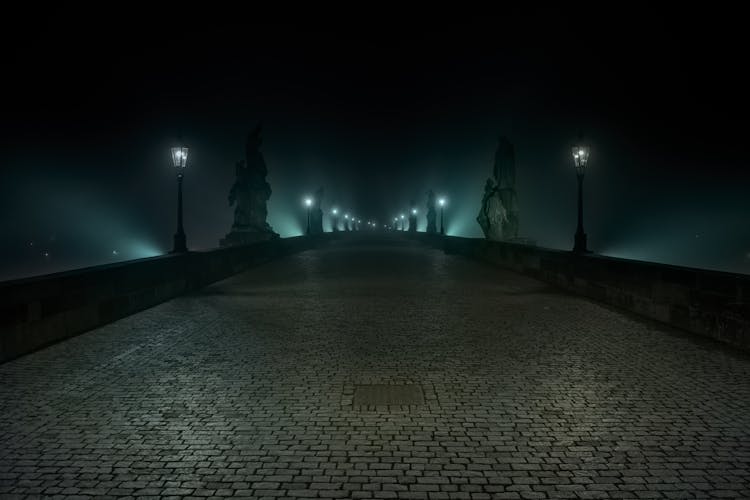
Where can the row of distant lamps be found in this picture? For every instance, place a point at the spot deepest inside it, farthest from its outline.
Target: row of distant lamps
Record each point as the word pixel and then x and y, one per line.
pixel 581 154
pixel 441 202
pixel 335 212
pixel 401 218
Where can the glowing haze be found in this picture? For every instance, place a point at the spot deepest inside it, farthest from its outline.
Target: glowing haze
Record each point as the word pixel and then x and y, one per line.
pixel 377 117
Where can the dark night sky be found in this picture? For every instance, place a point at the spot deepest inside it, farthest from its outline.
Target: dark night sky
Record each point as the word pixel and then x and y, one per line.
pixel 377 109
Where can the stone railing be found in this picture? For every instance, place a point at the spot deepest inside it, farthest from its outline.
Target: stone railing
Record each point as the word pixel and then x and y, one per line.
pixel 710 303
pixel 38 311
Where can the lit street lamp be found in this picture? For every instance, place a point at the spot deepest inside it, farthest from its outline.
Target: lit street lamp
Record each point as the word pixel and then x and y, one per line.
pixel 402 222
pixel 441 202
pixel 413 220
pixel 308 204
pixel 580 158
pixel 335 220
pixel 179 160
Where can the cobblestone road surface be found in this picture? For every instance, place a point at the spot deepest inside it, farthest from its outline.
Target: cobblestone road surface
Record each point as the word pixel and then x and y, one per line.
pixel 246 389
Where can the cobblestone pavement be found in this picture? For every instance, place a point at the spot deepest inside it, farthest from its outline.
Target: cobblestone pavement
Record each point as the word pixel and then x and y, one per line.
pixel 246 389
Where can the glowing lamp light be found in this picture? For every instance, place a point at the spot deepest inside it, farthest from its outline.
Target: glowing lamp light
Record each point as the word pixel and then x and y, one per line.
pixel 179 156
pixel 441 202
pixel 335 211
pixel 346 216
pixel 581 157
pixel 414 211
pixel 308 202
pixel 402 216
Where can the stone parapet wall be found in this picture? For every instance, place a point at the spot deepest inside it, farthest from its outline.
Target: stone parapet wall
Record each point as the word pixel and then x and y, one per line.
pixel 710 303
pixel 38 311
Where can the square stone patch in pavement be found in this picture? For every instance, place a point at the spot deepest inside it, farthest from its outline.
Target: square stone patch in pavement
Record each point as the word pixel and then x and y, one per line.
pixel 388 395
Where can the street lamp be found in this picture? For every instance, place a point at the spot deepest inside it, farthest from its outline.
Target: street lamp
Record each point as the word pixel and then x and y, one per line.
pixel 402 222
pixel 308 204
pixel 413 220
pixel 179 160
pixel 335 220
pixel 581 159
pixel 441 202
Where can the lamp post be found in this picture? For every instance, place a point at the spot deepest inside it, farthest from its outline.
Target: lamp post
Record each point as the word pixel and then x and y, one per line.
pixel 581 159
pixel 441 202
pixel 346 222
pixel 179 160
pixel 308 204
pixel 335 220
pixel 402 222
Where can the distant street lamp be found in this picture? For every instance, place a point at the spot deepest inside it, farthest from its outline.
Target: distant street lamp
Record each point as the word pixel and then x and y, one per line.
pixel 308 204
pixel 402 222
pixel 179 160
pixel 335 220
pixel 413 220
pixel 581 159
pixel 441 202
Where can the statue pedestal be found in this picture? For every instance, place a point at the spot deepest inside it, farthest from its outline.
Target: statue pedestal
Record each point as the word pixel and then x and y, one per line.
pixel 235 238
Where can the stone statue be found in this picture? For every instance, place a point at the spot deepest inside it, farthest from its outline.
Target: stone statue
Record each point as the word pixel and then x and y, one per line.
pixel 492 214
pixel 413 217
pixel 249 195
pixel 498 215
pixel 316 215
pixel 431 212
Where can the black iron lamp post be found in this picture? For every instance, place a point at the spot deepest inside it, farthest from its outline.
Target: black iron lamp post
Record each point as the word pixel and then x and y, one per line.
pixel 581 159
pixel 308 204
pixel 179 160
pixel 441 202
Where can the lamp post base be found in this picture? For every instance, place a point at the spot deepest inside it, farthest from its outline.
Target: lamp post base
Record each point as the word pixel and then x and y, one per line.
pixel 180 246
pixel 580 244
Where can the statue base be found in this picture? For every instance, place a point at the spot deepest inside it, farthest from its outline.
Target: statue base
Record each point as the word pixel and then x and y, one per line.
pixel 235 238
